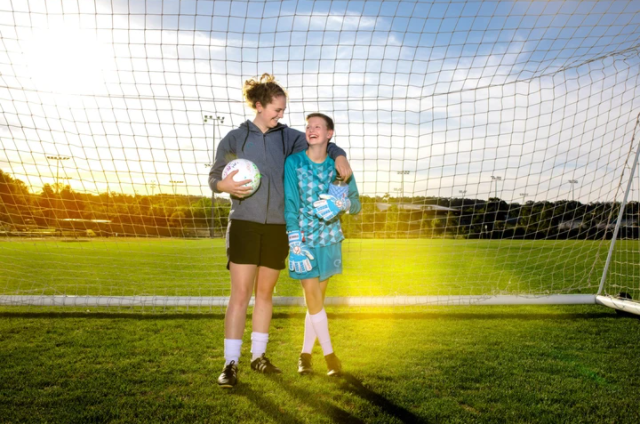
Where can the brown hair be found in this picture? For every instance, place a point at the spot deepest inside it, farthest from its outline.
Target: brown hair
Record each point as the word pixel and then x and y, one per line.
pixel 329 121
pixel 262 89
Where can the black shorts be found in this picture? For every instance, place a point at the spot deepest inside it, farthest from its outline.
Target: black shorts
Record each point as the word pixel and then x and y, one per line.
pixel 257 244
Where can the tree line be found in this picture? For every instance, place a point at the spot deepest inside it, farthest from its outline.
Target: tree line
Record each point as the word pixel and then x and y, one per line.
pixel 58 209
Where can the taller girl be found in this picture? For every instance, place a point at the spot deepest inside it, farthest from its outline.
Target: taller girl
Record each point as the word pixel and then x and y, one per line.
pixel 257 243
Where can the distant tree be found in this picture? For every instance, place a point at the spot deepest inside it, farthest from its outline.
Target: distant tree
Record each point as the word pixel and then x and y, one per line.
pixel 177 218
pixel 391 222
pixel 13 192
pixel 452 225
pixel 437 225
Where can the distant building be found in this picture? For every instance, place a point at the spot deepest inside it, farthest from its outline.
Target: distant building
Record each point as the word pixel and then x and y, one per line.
pixel 414 207
pixel 573 224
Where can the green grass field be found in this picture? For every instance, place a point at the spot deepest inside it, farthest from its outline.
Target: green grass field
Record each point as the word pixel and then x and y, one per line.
pixel 372 267
pixel 439 364
pixel 531 364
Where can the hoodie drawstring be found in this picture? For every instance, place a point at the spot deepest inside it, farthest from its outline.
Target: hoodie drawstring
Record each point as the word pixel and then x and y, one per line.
pixel 242 149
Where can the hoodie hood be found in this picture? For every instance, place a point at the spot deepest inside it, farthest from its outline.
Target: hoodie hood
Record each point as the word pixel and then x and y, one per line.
pixel 248 124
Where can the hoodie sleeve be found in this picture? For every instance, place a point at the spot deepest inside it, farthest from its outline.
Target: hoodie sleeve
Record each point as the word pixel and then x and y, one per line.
pixel 300 144
pixel 224 154
pixel 334 151
pixel 292 197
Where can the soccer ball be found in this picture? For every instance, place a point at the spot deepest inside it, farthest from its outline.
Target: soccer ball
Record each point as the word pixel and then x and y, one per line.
pixel 247 170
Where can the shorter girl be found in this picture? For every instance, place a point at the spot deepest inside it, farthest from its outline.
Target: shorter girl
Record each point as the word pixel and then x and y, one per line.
pixel 314 232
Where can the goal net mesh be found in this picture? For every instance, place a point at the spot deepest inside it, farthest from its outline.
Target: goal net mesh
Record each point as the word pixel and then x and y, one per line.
pixel 492 143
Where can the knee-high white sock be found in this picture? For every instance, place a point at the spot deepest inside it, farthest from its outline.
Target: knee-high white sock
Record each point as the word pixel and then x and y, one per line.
pixel 232 350
pixel 259 344
pixel 310 335
pixel 321 327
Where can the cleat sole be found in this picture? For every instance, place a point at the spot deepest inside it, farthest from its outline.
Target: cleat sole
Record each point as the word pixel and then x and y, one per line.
pixel 226 386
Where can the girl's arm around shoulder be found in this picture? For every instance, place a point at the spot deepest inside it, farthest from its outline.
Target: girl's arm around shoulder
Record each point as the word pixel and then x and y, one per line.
pixel 336 153
pixel 352 194
pixel 292 196
pixel 300 144
pixel 340 159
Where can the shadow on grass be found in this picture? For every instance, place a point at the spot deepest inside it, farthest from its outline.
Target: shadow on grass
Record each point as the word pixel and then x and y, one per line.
pixel 350 383
pixel 322 407
pixel 277 413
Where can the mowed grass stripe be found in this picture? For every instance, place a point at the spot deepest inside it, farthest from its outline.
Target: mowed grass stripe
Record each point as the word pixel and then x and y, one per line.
pixel 371 267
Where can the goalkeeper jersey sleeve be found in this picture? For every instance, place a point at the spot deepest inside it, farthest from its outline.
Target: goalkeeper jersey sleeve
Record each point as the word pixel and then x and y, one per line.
pixel 354 199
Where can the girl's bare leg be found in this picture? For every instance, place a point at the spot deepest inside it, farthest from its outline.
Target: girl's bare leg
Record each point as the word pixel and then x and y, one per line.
pixel 242 286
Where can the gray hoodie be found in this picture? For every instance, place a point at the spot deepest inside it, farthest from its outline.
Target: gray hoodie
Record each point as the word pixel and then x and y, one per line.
pixel 268 151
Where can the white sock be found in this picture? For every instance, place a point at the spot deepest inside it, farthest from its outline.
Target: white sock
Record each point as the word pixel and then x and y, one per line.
pixel 319 321
pixel 259 344
pixel 310 335
pixel 232 350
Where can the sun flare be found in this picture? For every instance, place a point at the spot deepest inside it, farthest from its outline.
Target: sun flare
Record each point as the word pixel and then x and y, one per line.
pixel 67 61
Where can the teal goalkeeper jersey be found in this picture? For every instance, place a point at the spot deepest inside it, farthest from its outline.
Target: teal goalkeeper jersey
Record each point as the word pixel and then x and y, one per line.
pixel 305 181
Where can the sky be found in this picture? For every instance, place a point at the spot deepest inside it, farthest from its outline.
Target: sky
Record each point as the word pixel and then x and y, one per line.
pixel 456 93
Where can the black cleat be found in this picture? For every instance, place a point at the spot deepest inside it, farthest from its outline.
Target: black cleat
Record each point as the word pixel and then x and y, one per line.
pixel 334 367
pixel 305 364
pixel 263 365
pixel 229 377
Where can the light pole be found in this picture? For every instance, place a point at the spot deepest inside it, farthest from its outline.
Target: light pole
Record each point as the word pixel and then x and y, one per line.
pixel 213 215
pixel 402 174
pixel 174 184
pixel 214 119
pixel 462 192
pixel 572 182
pixel 496 186
pixel 153 187
pixel 220 120
pixel 58 159
pixel 524 194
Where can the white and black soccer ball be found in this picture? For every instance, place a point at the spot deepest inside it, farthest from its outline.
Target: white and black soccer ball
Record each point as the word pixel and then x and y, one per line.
pixel 247 170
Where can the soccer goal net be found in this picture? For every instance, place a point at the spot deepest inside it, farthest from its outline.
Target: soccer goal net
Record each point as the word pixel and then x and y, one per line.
pixel 495 146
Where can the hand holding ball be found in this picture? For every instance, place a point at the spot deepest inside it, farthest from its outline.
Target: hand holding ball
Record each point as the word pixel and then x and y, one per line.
pixel 246 171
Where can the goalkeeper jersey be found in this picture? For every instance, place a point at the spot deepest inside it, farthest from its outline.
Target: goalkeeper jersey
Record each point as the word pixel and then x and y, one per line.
pixel 304 182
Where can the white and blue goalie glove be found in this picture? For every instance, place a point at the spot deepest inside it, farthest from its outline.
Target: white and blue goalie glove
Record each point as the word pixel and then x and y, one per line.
pixel 299 254
pixel 329 206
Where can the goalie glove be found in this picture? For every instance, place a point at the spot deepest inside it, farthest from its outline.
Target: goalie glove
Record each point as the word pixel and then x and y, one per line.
pixel 299 254
pixel 329 206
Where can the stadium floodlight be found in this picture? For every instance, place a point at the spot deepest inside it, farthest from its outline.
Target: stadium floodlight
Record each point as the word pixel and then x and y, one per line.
pixel 152 184
pixel 438 107
pixel 58 159
pixel 572 182
pixel 496 185
pixel 402 174
pixel 214 120
pixel 524 196
pixel 174 184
